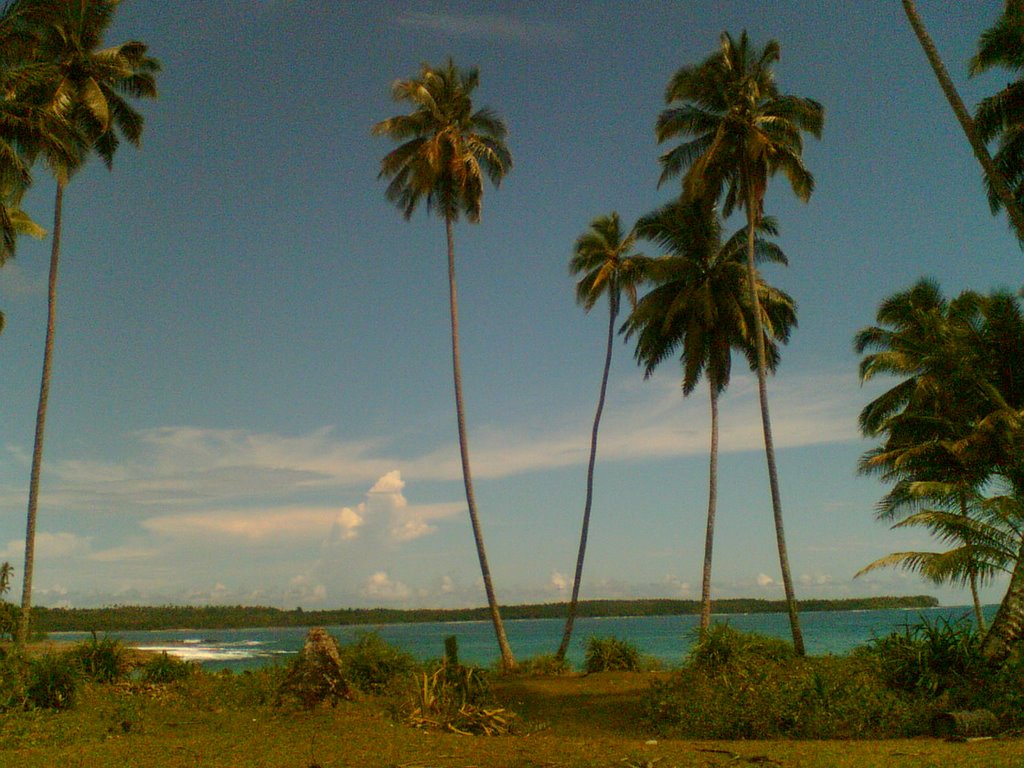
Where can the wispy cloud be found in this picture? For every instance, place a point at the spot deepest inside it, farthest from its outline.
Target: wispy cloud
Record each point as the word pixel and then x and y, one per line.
pixel 485 25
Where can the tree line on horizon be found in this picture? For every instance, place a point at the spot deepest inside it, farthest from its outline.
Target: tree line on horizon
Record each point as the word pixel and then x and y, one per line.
pixel 951 430
pixel 707 299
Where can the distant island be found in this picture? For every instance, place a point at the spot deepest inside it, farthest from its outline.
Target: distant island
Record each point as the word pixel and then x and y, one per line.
pixel 141 617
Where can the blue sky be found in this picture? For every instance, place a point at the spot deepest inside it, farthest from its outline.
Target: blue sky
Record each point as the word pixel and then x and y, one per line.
pixel 252 392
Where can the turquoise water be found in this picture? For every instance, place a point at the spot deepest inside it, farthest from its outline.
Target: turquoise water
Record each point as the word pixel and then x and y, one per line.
pixel 664 637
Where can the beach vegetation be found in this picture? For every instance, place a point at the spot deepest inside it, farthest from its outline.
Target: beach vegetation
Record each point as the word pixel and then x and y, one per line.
pixel 101 659
pixel 604 257
pixel 699 306
pixel 164 668
pixel 446 148
pixel 374 666
pixel 739 130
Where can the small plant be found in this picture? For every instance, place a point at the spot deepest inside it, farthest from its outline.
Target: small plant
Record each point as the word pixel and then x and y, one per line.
pixel 373 666
pixel 166 669
pixel 609 654
pixel 100 660
pixel 53 681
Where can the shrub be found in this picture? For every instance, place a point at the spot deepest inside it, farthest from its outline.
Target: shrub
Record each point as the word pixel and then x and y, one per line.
pixel 782 698
pixel 722 645
pixel 166 669
pixel 53 681
pixel 545 665
pixel 373 666
pixel 102 661
pixel 609 654
pixel 13 681
pixel 929 658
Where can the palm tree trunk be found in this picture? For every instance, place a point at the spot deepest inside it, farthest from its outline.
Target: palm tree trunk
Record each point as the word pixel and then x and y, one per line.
pixel 1008 626
pixel 769 446
pixel 972 575
pixel 24 620
pixel 507 659
pixel 709 535
pixel 995 177
pixel 613 311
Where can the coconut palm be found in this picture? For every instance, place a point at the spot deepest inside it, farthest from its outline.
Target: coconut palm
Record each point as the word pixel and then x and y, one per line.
pixel 446 149
pixel 699 306
pixel 998 181
pixel 86 91
pixel 740 132
pixel 918 339
pixel 604 256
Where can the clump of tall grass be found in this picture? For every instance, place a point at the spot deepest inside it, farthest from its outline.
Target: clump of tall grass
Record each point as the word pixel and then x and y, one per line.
pixel 374 666
pixel 609 654
pixel 101 660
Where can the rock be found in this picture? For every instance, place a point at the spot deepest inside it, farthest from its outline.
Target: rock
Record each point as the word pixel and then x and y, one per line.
pixel 317 674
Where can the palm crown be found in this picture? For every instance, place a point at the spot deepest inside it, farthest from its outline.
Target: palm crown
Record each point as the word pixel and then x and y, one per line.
pixel 742 130
pixel 603 254
pixel 447 147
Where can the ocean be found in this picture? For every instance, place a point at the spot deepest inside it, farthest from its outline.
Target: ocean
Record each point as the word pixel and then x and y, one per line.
pixel 667 638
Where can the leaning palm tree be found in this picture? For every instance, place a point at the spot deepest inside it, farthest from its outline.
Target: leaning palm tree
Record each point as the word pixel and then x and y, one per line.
pixel 997 179
pixel 700 306
pixel 740 132
pixel 604 256
pixel 87 91
pixel 446 149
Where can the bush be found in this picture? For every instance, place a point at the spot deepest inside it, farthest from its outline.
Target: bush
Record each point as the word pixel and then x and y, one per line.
pixel 13 681
pixel 53 681
pixel 822 698
pixel 929 658
pixel 722 645
pixel 101 661
pixel 609 654
pixel 545 665
pixel 166 669
pixel 373 666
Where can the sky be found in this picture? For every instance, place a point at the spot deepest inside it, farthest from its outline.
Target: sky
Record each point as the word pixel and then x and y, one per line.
pixel 252 398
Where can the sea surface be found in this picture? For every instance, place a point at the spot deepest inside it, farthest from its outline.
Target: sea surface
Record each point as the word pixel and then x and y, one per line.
pixel 667 638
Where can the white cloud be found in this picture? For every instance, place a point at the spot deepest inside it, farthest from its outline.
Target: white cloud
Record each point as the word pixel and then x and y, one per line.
pixel 48 545
pixel 764 580
pixel 559 581
pixel 250 524
pixel 125 553
pixel 382 587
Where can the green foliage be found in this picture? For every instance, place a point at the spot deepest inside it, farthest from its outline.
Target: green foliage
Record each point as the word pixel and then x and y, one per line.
pixel 456 698
pixel 722 646
pixel 166 669
pixel 544 665
pixel 100 660
pixel 819 698
pixel 609 654
pixel 13 681
pixel 929 658
pixel 53 681
pixel 373 666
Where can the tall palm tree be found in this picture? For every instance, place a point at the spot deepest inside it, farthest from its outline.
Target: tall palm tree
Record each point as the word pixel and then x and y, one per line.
pixel 700 306
pixel 446 149
pixel 977 136
pixel 741 131
pixel 87 89
pixel 604 256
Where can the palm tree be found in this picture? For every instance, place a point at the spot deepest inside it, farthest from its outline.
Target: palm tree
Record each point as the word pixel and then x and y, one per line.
pixel 700 306
pixel 741 132
pixel 446 149
pixel 977 135
pixel 917 338
pixel 1002 115
pixel 87 91
pixel 603 255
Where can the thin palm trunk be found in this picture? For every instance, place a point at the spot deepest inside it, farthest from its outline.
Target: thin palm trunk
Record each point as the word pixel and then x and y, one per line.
pixel 973 576
pixel 709 535
pixel 996 179
pixel 1008 625
pixel 769 446
pixel 570 618
pixel 37 449
pixel 507 660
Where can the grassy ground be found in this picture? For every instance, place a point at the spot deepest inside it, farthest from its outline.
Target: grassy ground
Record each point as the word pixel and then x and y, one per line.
pixel 565 721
